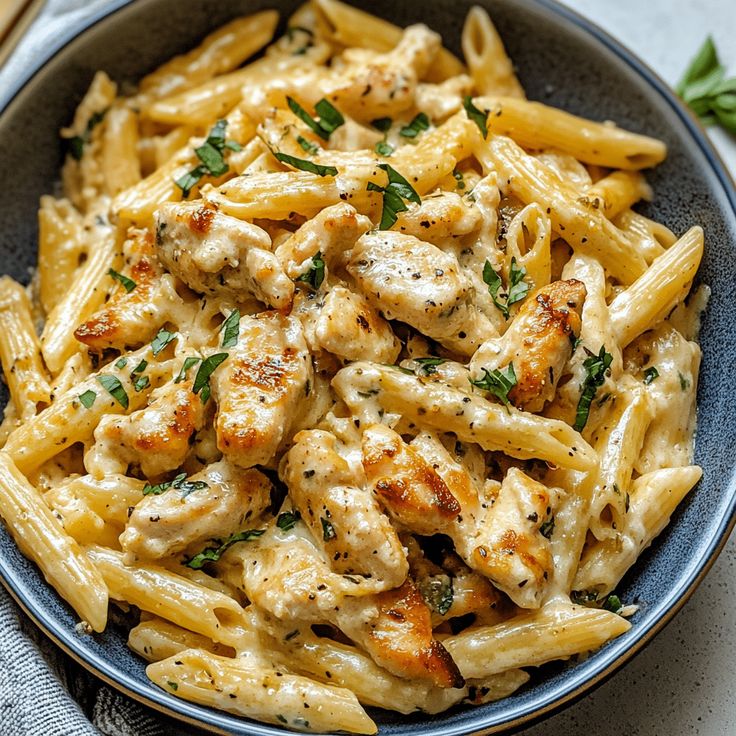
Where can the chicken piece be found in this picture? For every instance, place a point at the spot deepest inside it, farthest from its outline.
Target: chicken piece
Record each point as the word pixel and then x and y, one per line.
pixel 131 318
pixel 164 525
pixel 260 387
pixel 439 219
pixel 334 230
pixel 441 100
pixel 415 282
pixel 349 327
pixel 157 438
pixel 214 253
pixel 405 484
pixel 538 342
pixel 395 628
pixel 344 518
pixel 508 546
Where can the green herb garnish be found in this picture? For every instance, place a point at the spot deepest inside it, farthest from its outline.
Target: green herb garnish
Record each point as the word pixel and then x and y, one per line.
pixel 305 165
pixel 438 593
pixel 162 339
pixel 547 528
pixel 479 117
pixel 704 88
pixel 76 144
pixel 613 603
pixel 306 145
pixel 315 274
pixel 596 367
pixel 180 482
pixel 188 363
pixel 202 379
pixel 382 124
pixel 328 531
pixel 650 374
pixel 112 385
pixel 128 284
pixel 88 398
pixel 329 120
pixel 231 329
pixel 384 149
pixel 287 520
pixel 120 363
pixel 429 365
pixel 498 382
pixel 213 554
pixel 518 288
pixel 459 178
pixel 395 192
pixel 419 123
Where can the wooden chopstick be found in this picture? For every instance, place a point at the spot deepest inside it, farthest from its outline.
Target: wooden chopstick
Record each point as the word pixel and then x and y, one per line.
pixel 15 17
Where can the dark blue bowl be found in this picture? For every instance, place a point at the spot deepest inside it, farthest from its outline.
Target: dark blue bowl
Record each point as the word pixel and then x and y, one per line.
pixel 563 60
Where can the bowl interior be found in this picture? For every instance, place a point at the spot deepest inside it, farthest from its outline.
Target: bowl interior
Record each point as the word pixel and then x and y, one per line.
pixel 559 62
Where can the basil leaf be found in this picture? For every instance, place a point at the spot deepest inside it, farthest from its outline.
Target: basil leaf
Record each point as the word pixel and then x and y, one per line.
pixel 438 593
pixel 612 603
pixel 650 374
pixel 162 339
pixel 429 365
pixel 419 123
pixel 231 327
pixel 188 181
pixel 287 520
pixel 140 383
pixel 306 145
pixel 315 275
pixel 112 385
pixel 494 282
pixel 477 116
pixel 394 193
pixel 384 149
pixel 329 117
pixel 211 159
pixel 497 382
pixel 180 482
pixel 188 363
pixel 518 288
pixel 140 367
pixel 596 367
pixel 75 145
pixel 120 363
pixel 210 153
pixel 304 165
pixel 213 554
pixel 88 398
pixel 128 284
pixel 205 370
pixel 547 528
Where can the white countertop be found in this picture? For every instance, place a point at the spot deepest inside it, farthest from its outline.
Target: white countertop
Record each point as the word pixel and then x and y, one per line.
pixel 683 683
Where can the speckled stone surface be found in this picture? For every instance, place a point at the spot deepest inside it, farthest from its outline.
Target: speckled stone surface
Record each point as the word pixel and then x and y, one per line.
pixel 687 673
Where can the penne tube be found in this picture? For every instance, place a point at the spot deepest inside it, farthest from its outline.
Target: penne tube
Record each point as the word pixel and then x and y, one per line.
pixel 535 125
pixel 350 26
pixel 654 498
pixel 654 294
pixel 557 631
pixel 19 351
pixel 473 419
pixel 156 639
pixel 618 191
pixel 221 51
pixel 489 65
pixel 42 538
pixel 120 165
pixel 172 597
pixel 581 225
pixel 259 692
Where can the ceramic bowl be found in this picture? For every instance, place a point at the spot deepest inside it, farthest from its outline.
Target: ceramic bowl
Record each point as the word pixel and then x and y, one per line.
pixel 562 60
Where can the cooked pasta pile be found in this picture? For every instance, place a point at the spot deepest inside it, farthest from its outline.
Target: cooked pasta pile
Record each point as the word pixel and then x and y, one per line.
pixel 358 374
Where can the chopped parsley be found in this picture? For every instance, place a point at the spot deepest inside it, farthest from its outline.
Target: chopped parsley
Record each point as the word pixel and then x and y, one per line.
pixel 76 144
pixel 438 593
pixel 596 367
pixel 180 482
pixel 429 365
pixel 213 554
pixel 287 520
pixel 304 165
pixel 128 284
pixel 112 385
pixel 497 382
pixel 188 363
pixel 202 379
pixel 419 123
pixel 395 192
pixel 211 155
pixel 650 374
pixel 517 291
pixel 231 329
pixel 328 531
pixel 479 117
pixel 88 398
pixel 162 339
pixel 548 528
pixel 306 145
pixel 315 274
pixel 329 120
pixel 703 87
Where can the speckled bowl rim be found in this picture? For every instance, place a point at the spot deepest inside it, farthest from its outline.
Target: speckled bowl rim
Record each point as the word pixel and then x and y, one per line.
pixel 617 652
